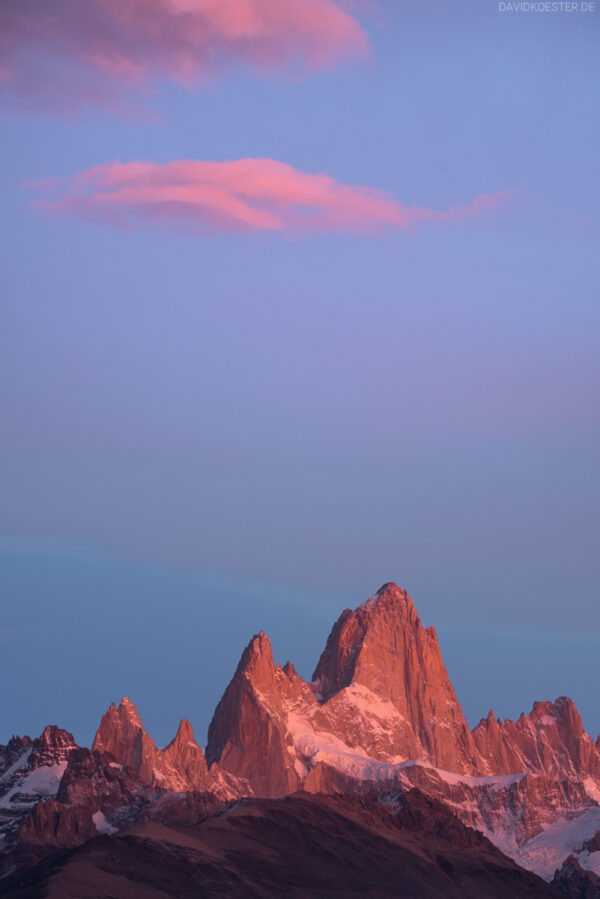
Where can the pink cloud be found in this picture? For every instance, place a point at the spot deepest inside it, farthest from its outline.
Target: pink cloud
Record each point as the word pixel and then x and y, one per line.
pixel 239 195
pixel 113 43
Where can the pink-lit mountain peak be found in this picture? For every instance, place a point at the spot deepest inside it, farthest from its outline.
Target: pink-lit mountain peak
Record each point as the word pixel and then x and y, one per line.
pixel 185 734
pixel 259 648
pixel 55 738
pixel 122 735
pixel 257 663
pixel 380 689
pixel 180 765
pixel 125 715
pixel 388 593
pixel 380 644
pixel 549 740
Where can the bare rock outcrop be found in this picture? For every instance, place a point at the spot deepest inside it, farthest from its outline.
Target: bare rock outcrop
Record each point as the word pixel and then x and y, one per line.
pixel 179 766
pixel 549 741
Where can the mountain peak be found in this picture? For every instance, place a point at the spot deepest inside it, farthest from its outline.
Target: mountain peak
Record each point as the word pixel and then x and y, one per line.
pixel 53 736
pixel 122 734
pixel 184 737
pixel 53 746
pixel 379 625
pixel 182 762
pixel 256 663
pixel 383 646
pixel 550 740
pixel 388 596
pixel 562 713
pixel 128 710
pixel 246 735
pixel 180 765
pixel 184 731
pixel 391 591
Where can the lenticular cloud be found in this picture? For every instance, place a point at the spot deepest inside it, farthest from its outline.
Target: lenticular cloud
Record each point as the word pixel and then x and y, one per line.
pixel 109 44
pixel 239 195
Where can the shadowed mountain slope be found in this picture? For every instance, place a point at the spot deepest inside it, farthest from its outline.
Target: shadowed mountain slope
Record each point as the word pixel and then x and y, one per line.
pixel 301 846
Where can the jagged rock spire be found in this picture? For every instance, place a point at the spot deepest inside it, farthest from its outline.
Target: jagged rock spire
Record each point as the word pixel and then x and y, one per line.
pixel 181 765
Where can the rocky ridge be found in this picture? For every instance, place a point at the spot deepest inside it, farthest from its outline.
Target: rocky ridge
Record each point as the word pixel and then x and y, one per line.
pixel 379 718
pixel 178 767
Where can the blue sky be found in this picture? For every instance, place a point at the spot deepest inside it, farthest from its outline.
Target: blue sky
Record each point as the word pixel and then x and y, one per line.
pixel 313 413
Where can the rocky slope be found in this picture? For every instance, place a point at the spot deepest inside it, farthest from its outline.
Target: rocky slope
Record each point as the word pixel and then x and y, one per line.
pixel 302 846
pixel 30 771
pixel 576 882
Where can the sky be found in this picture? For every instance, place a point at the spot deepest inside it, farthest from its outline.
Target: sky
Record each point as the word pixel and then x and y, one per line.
pixel 296 299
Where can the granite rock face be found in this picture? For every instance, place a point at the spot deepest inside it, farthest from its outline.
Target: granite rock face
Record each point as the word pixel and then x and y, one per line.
pixel 383 647
pixel 180 766
pixel 380 696
pixel 550 740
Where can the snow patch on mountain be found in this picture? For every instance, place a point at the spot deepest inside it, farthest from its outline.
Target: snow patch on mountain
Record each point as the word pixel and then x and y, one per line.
pixel 39 783
pixel 498 782
pixel 102 825
pixel 592 788
pixel 547 851
pixel 590 861
pixel 20 763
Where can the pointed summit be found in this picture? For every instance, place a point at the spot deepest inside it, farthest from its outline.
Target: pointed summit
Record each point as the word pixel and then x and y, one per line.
pixel 53 746
pixel 383 646
pixel 184 757
pixel 53 738
pixel 388 594
pixel 246 735
pixel 380 694
pixel 381 622
pixel 257 663
pixel 185 734
pixel 128 710
pixel 122 734
pixel 180 766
